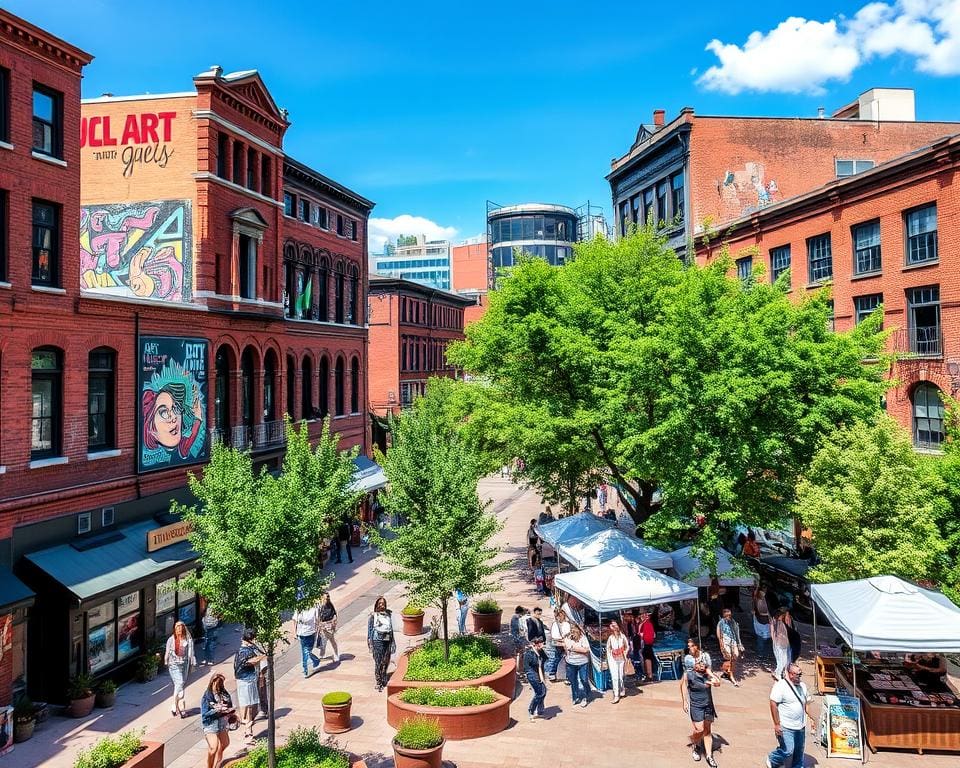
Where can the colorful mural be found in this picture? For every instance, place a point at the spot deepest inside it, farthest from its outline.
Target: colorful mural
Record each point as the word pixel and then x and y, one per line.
pixel 142 250
pixel 173 402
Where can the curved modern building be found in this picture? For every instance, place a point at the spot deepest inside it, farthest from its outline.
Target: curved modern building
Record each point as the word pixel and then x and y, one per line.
pixel 541 229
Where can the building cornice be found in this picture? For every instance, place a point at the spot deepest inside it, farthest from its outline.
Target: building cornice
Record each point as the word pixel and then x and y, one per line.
pixel 304 176
pixel 37 42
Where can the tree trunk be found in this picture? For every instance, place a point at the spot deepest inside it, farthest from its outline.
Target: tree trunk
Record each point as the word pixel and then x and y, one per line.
pixel 271 712
pixel 446 634
pixel 571 493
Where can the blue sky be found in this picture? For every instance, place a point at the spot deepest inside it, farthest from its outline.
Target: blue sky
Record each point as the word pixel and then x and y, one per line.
pixel 431 109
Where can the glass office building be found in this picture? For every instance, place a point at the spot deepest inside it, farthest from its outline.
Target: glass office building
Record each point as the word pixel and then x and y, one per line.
pixel 540 229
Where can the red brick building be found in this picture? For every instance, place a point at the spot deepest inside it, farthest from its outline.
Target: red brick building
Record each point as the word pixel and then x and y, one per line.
pixel 886 237
pixel 181 319
pixel 470 276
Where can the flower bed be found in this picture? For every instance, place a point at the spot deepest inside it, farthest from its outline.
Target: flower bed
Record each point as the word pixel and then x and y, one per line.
pixel 470 657
pixel 502 678
pixel 459 718
pixel 304 749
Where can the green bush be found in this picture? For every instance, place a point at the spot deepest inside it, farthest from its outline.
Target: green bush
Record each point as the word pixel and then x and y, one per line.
pixel 419 733
pixel 470 657
pixel 486 605
pixel 80 686
pixel 336 698
pixel 24 710
pixel 304 749
pixel 111 751
pixel 472 696
pixel 412 609
pixel 107 686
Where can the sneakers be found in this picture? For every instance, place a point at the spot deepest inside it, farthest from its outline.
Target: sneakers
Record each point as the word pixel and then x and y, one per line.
pixel 769 764
pixel 583 702
pixel 711 762
pixel 696 755
pixel 336 658
pixel 534 717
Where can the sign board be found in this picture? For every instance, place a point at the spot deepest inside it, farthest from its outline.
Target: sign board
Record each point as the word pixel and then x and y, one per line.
pixel 843 727
pixel 159 538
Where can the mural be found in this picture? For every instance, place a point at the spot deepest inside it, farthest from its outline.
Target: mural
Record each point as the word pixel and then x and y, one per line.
pixel 142 250
pixel 745 190
pixel 173 402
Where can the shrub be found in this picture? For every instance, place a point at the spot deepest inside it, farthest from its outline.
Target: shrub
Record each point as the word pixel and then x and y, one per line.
pixel 336 698
pixel 24 710
pixel 412 609
pixel 80 686
pixel 486 605
pixel 419 733
pixel 107 687
pixel 472 696
pixel 111 751
pixel 470 657
pixel 304 749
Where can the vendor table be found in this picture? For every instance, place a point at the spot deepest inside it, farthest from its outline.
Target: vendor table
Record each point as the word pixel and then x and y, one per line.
pixel 826 673
pixel 599 674
pixel 916 726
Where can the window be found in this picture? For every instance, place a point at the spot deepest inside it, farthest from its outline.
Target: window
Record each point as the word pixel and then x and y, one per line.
pixel 4 104
pixel 175 603
pixel 251 168
pixel 223 142
pixel 47 121
pixel 306 390
pixel 319 216
pixel 100 400
pixel 4 226
pixel 221 402
pixel 648 207
pixel 745 269
pixel 288 203
pixel 922 235
pixel 354 229
pixel 338 384
pixel 927 417
pixel 866 248
pixel 819 258
pixel 851 167
pixel 246 388
pixel 923 319
pixel 663 215
pixel 46 243
pixel 634 215
pixel 864 305
pixel 237 162
pixel 247 248
pixel 323 289
pixel 304 210
pixel 676 183
pixel 340 229
pixel 354 297
pixel 338 294
pixel 47 381
pixel 324 387
pixel 779 261
pixel 266 176
pixel 291 387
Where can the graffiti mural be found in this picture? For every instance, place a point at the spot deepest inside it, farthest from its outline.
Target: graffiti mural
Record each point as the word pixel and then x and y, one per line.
pixel 745 190
pixel 142 250
pixel 173 402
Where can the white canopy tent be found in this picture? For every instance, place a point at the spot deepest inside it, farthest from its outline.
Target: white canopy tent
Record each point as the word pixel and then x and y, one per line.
pixel 572 528
pixel 619 584
pixel 689 568
pixel 607 544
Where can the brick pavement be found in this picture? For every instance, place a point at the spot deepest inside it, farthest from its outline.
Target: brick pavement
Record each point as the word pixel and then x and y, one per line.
pixel 648 726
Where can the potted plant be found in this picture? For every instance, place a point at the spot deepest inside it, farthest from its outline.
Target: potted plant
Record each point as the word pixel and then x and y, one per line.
pixel 24 719
pixel 80 695
pixel 147 666
pixel 412 616
pixel 418 743
pixel 486 615
pixel 126 750
pixel 336 712
pixel 106 694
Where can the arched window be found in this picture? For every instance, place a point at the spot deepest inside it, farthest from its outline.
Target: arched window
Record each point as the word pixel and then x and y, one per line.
pixel 221 403
pixel 246 387
pixel 352 308
pixel 323 289
pixel 338 290
pixel 927 417
pixel 101 401
pixel 291 387
pixel 269 387
pixel 355 385
pixel 306 390
pixel 338 386
pixel 290 279
pixel 46 369
pixel 324 386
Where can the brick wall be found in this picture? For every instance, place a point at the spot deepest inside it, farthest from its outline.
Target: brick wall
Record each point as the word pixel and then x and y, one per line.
pixel 383 376
pixel 6 664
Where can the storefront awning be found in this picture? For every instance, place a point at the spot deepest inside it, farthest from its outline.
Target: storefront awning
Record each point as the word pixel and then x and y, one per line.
pixel 122 559
pixel 368 475
pixel 13 592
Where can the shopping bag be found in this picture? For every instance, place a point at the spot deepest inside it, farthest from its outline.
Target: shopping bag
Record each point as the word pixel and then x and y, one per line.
pixel 628 667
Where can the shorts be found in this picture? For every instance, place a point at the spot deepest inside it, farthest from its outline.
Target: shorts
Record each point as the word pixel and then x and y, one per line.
pixel 730 650
pixel 703 714
pixel 218 725
pixel 247 693
pixel 647 653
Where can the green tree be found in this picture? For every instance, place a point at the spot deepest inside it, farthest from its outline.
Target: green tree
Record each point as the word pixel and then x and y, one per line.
pixel 948 471
pixel 443 540
pixel 258 538
pixel 873 505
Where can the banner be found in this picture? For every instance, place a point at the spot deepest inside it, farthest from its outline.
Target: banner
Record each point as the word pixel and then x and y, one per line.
pixel 172 381
pixel 843 727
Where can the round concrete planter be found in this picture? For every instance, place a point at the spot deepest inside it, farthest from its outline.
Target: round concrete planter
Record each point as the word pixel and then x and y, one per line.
pixel 503 681
pixel 151 756
pixel 80 707
pixel 486 623
pixel 106 700
pixel 418 758
pixel 457 723
pixel 336 717
pixel 412 624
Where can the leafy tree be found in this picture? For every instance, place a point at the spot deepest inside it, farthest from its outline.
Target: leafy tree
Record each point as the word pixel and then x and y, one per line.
pixel 948 471
pixel 443 540
pixel 873 505
pixel 258 538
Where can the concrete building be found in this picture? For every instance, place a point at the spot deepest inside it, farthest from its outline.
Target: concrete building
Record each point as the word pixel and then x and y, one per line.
pixel 539 229
pixel 415 258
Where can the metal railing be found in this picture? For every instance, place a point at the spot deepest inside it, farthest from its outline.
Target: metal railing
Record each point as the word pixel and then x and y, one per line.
pixel 922 341
pixel 240 437
pixel 268 434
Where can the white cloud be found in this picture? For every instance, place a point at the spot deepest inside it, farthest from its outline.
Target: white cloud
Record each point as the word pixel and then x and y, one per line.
pixel 802 55
pixel 383 230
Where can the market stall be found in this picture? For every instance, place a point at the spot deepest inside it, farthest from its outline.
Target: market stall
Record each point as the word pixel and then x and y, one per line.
pixel 690 569
pixel 604 545
pixel 887 615
pixel 573 528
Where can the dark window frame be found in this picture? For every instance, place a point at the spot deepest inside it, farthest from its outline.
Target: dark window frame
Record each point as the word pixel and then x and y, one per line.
pixel 289 204
pixel 223 147
pixel 925 419
pixel 820 263
pixel 744 267
pixel 4 104
pixel 101 369
pixel 777 266
pixel 677 194
pixel 922 242
pixel 924 301
pixel 863 306
pixel 53 251
pixel 54 376
pixel 339 384
pixel 55 124
pixel 867 259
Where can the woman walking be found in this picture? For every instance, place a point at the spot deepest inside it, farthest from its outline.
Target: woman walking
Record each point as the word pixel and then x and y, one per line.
pixel 696 698
pixel 380 640
pixel 216 709
pixel 179 658
pixel 728 634
pixel 245 669
pixel 558 633
pixel 617 648
pixel 794 637
pixel 327 629
pixel 781 643
pixel 761 620
pixel 577 657
pixel 211 625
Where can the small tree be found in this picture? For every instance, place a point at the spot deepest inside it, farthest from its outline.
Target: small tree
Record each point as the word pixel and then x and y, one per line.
pixel 258 538
pixel 443 540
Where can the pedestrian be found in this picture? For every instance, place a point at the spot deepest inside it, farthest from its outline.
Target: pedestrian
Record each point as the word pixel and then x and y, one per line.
pixel 533 659
pixel 179 658
pixel 343 536
pixel 696 696
pixel 696 654
pixel 789 708
pixel 617 649
pixel 750 547
pixel 518 631
pixel 211 626
pixel 559 631
pixel 716 594
pixel 647 636
pixel 602 496
pixel 539 575
pixel 327 627
pixel 533 543
pixel 216 710
pixel 263 688
pixel 535 628
pixel 781 643
pixel 761 621
pixel 305 621
pixel 245 670
pixel 577 658
pixel 794 638
pixel 728 635
pixel 463 607
pixel 574 611
pixel 380 640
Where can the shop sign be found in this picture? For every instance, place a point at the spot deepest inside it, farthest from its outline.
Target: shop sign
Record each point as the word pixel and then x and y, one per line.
pixel 159 538
pixel 843 727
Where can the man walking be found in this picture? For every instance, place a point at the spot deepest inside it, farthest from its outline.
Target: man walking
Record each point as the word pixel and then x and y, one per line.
pixel 533 658
pixel 463 605
pixel 306 627
pixel 789 708
pixel 535 628
pixel 343 535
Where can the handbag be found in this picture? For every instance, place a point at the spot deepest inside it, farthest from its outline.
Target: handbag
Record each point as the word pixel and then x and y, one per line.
pixel 628 668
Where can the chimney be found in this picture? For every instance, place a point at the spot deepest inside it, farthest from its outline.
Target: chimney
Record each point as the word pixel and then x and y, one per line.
pixel 658 118
pixel 821 112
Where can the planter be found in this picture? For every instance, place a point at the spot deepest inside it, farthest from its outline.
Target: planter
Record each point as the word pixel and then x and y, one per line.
pixel 147 674
pixel 23 730
pixel 336 717
pixel 412 623
pixel 503 681
pixel 355 762
pixel 457 723
pixel 150 757
pixel 106 700
pixel 487 623
pixel 80 707
pixel 417 758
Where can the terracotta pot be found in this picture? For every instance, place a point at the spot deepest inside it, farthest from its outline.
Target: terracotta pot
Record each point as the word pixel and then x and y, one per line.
pixel 487 623
pixel 457 723
pixel 503 681
pixel 336 717
pixel 80 707
pixel 106 700
pixel 23 730
pixel 150 757
pixel 412 624
pixel 418 758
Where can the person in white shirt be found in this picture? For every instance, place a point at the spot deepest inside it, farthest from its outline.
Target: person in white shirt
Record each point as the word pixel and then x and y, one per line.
pixel 573 613
pixel 578 660
pixel 306 627
pixel 617 649
pixel 789 708
pixel 558 632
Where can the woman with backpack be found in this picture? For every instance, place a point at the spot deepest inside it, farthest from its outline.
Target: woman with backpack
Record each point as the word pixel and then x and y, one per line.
pixel 380 640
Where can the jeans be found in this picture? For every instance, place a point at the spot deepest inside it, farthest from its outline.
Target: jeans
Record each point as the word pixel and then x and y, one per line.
pixel 539 694
pixel 579 687
pixel 340 551
pixel 790 749
pixel 306 651
pixel 462 618
pixel 553 660
pixel 209 644
pixel 763 645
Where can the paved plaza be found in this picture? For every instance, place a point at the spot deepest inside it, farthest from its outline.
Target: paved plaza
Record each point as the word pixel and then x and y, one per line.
pixel 648 727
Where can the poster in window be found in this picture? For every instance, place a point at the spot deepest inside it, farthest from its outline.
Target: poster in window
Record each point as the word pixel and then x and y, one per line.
pixel 843 727
pixel 166 596
pixel 101 614
pixel 188 614
pixel 173 402
pixel 100 648
pixel 128 636
pixel 184 595
pixel 128 603
pixel 6 729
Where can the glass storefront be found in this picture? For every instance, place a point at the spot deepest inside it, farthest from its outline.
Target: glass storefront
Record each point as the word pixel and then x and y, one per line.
pixel 174 602
pixel 113 632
